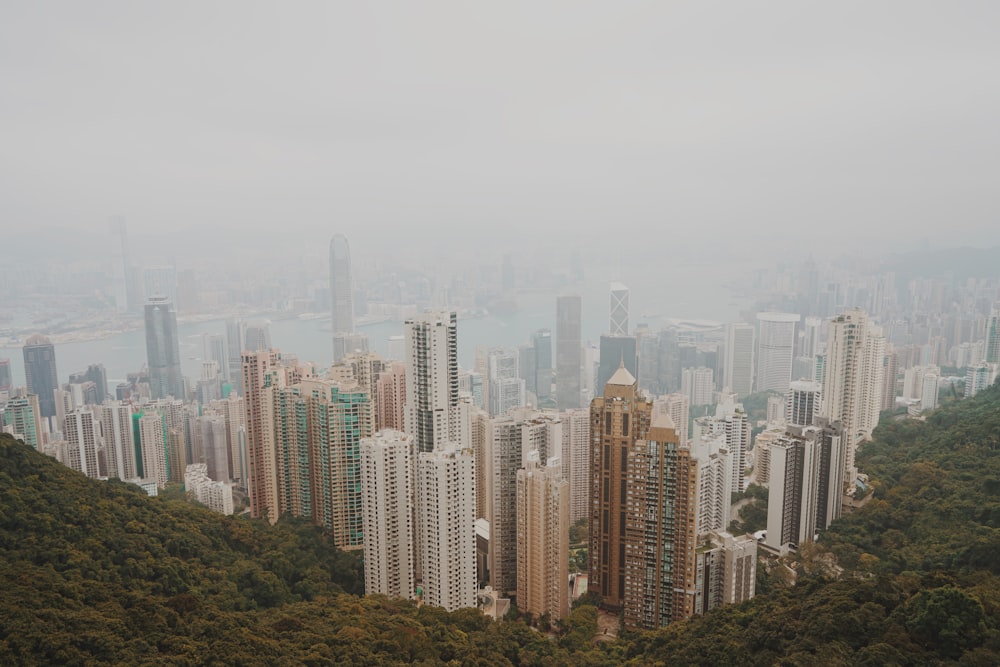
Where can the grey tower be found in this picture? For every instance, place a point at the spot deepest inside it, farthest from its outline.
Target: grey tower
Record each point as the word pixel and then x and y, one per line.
pixel 40 372
pixel 568 351
pixel 341 296
pixel 163 349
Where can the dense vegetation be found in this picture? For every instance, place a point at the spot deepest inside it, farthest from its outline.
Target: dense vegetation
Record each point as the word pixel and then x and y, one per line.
pixel 96 572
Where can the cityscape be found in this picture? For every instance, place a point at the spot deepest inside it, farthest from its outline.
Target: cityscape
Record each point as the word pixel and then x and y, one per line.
pixel 451 335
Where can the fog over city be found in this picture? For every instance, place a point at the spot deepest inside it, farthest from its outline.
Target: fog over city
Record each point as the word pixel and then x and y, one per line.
pixel 732 130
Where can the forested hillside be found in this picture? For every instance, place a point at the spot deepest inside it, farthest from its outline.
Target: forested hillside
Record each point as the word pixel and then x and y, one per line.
pixel 97 572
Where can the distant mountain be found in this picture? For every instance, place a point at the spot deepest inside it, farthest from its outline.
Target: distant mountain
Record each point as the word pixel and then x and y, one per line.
pixel 97 573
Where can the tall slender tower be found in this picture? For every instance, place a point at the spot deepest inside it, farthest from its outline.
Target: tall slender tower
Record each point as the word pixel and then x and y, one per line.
pixel 618 419
pixel 119 442
pixel 568 351
pixel 40 372
pixel 619 310
pixel 82 435
pixel 775 350
pixel 341 291
pixel 993 336
pixel 432 412
pixel 738 376
pixel 387 508
pixel 542 539
pixel 163 349
pixel 260 377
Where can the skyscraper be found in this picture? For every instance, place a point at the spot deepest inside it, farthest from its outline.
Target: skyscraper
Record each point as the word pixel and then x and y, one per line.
pixel 6 377
pixel 260 375
pixel 163 349
pixel 82 436
pixel 432 414
pixel 119 441
pixel 619 310
pixel 568 351
pixel 506 389
pixel 153 442
pixel 23 417
pixel 341 291
pixel 697 385
pixel 576 460
pixel 95 373
pixel 446 535
pixel 542 344
pixel 739 359
pixel 542 539
pixel 618 419
pixel 993 336
pixel 124 286
pixel 386 505
pixel 160 281
pixel 40 372
pixel 802 403
pixel 775 350
pixel 614 351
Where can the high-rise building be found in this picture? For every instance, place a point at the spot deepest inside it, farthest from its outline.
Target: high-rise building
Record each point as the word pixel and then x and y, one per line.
pixel 163 353
pixel 978 378
pixel 153 442
pixel 737 429
pixel 802 403
pixel 541 342
pixel 993 336
pixel 506 389
pixel 805 484
pixel 95 374
pixel 775 350
pixel 678 406
pixel 618 420
pixel 576 460
pixel 235 336
pixel 341 290
pixel 6 377
pixel 929 392
pixel 119 440
pixel 214 446
pixel 542 539
pixel 619 310
pixel 387 508
pixel 214 349
pixel 569 351
pixel 697 385
pixel 22 418
pixel 390 392
pixel 214 494
pixel 727 570
pixel 661 495
pixel 432 413
pixel 124 284
pixel 889 375
pixel 739 359
pixel 513 437
pixel 40 372
pixel 260 376
pixel 257 336
pixel 853 381
pixel 160 281
pixel 445 522
pixel 715 482
pixel 83 440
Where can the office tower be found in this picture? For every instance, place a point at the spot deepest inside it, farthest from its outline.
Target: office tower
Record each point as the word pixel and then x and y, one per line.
pixel 213 348
pixel 160 281
pixel 341 291
pixel 40 372
pixel 445 522
pixel 506 389
pixel 541 342
pixel 739 359
pixel 22 418
pixel 235 336
pixel 526 370
pixel 715 482
pixel 727 570
pixel 929 392
pixel 678 406
pixel 889 376
pixel 805 484
pixel 576 460
pixel 775 350
pixel 432 414
pixel 387 508
pixel 260 375
pixel 542 539
pixel 119 440
pixel 853 382
pixel 6 377
pixel 802 403
pixel 83 440
pixel 98 377
pixel 512 437
pixel 618 419
pixel 697 385
pixel 993 336
pixel 124 288
pixel 978 378
pixel 614 351
pixel 619 310
pixel 390 393
pixel 214 447
pixel 153 442
pixel 163 353
pixel 569 352
pixel 214 494
pixel 660 522
pixel 257 336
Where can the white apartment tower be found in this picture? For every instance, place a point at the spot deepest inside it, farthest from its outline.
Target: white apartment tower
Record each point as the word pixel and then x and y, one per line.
pixel 432 415
pixel 153 440
pixel 82 435
pixel 775 350
pixel 802 403
pixel 697 385
pixel 386 492
pixel 576 460
pixel 119 439
pixel 739 359
pixel 446 534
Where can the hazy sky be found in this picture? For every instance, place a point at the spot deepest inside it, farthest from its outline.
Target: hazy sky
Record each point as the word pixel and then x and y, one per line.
pixel 809 122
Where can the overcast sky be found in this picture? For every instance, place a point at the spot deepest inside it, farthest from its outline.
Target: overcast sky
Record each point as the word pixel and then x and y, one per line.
pixel 810 122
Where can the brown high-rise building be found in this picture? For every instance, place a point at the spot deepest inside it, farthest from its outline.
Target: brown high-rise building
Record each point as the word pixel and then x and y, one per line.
pixel 618 419
pixel 259 378
pixel 660 529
